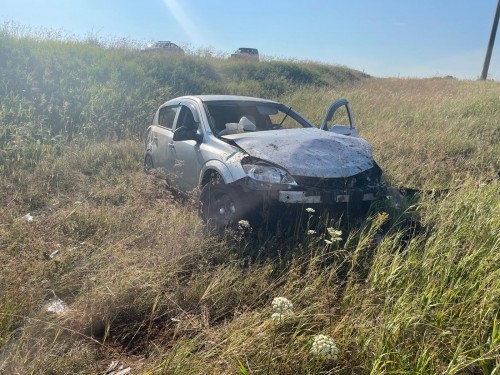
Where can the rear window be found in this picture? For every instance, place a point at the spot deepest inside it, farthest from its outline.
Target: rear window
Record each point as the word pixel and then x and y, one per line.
pixel 250 51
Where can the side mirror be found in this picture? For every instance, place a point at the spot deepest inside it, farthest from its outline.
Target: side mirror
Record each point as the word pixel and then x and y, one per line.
pixel 198 136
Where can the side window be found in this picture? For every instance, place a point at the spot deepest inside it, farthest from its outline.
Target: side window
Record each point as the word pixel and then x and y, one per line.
pixel 167 116
pixel 186 119
pixel 189 118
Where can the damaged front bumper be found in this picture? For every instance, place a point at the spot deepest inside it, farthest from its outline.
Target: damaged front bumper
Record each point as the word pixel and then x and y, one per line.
pixel 328 195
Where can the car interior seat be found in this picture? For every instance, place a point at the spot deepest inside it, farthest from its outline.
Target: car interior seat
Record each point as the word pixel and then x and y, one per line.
pixel 244 125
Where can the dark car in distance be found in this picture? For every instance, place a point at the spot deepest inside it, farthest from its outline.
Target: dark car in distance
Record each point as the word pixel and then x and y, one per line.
pixel 246 54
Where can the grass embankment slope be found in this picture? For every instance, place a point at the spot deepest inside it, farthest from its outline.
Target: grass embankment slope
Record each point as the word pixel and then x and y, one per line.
pixel 147 286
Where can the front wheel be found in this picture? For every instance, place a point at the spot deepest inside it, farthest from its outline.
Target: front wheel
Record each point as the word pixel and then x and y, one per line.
pixel 220 205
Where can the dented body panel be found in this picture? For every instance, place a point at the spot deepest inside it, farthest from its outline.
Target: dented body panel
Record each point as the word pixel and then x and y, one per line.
pixel 308 152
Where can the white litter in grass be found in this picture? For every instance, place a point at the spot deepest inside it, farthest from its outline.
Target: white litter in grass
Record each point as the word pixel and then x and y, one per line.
pixel 112 366
pixel 124 371
pixel 28 218
pixel 56 305
pixel 113 370
pixel 53 254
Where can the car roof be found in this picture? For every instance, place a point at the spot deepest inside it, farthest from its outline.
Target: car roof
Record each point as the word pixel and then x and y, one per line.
pixel 165 42
pixel 217 98
pixel 247 49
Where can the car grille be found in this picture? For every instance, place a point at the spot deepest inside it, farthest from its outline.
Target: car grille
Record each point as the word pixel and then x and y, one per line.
pixel 360 180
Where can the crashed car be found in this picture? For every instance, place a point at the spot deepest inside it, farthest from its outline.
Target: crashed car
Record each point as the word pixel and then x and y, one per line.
pixel 243 154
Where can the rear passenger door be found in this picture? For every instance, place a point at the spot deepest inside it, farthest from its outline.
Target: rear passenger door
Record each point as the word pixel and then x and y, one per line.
pixel 162 153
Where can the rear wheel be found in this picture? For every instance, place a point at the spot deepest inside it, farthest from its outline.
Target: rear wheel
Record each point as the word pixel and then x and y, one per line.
pixel 148 164
pixel 221 205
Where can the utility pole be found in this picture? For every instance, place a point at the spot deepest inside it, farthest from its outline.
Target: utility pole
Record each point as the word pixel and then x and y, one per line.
pixel 487 59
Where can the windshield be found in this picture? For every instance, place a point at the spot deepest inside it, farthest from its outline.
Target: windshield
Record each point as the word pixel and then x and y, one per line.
pixel 225 116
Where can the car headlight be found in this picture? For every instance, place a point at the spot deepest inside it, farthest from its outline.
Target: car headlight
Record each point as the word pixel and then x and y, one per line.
pixel 268 173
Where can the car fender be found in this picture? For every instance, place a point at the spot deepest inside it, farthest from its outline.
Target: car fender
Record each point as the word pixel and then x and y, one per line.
pixel 219 167
pixel 229 168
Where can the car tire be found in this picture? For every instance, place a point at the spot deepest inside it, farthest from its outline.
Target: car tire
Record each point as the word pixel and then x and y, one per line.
pixel 148 164
pixel 221 206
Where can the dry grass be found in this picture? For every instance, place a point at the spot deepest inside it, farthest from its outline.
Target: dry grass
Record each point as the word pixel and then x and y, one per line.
pixel 146 285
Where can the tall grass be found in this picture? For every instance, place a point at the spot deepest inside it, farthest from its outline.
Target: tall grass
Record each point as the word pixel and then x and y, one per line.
pixel 432 307
pixel 145 283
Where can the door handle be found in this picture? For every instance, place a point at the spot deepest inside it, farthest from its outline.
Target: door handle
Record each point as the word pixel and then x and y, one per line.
pixel 171 145
pixel 155 138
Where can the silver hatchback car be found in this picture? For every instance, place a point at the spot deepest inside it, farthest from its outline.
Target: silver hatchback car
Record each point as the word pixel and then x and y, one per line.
pixel 241 155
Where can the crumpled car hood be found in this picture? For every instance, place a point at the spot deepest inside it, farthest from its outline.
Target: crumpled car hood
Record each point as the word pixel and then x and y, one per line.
pixel 308 152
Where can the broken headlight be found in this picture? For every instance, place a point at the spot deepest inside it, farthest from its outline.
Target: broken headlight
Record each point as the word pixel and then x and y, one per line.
pixel 267 173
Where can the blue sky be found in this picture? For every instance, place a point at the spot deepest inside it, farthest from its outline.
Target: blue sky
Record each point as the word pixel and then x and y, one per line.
pixel 405 38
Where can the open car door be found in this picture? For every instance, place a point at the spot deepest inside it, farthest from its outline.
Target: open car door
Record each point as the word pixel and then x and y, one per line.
pixel 329 122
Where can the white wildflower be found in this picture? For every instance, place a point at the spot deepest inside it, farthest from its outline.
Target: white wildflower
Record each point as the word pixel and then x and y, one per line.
pixel 328 242
pixel 244 223
pixel 336 235
pixel 324 347
pixel 310 210
pixel 310 232
pixel 282 308
pixel 282 305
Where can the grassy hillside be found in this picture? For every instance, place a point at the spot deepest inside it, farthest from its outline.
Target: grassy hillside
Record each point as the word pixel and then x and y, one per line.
pixel 146 285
